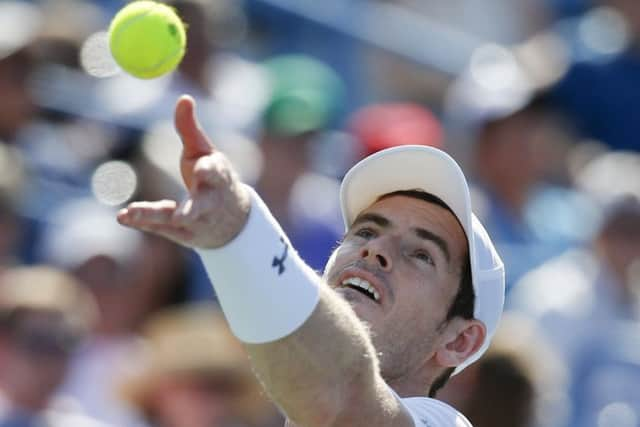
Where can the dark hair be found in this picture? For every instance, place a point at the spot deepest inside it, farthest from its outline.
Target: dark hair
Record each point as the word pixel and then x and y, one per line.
pixel 464 301
pixel 461 306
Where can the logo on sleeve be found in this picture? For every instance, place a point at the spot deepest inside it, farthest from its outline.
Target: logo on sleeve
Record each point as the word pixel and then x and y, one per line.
pixel 279 262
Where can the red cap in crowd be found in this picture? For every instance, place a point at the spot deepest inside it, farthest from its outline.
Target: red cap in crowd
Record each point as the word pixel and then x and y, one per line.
pixel 382 126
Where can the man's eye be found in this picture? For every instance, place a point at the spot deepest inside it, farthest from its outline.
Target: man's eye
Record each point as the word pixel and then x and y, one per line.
pixel 365 233
pixel 424 257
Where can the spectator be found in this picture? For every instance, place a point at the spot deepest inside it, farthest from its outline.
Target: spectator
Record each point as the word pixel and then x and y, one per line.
pixel 105 258
pixel 197 374
pixel 520 182
pixel 20 23
pixel 594 286
pixel 305 97
pixel 44 315
pixel 597 284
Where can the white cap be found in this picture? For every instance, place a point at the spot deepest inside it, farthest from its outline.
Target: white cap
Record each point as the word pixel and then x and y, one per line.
pixel 416 167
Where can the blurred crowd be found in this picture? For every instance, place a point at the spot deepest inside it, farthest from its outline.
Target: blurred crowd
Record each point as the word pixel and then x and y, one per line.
pixel 101 325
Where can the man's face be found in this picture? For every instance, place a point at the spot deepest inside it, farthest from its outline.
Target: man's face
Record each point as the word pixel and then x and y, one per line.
pixel 411 253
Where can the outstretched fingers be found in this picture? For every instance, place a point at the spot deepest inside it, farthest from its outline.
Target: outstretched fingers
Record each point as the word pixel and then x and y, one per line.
pixel 155 217
pixel 139 214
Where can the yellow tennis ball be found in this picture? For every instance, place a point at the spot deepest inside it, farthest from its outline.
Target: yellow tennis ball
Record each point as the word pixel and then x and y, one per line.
pixel 147 39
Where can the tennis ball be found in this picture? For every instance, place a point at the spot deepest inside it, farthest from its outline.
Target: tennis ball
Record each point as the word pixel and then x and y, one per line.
pixel 147 39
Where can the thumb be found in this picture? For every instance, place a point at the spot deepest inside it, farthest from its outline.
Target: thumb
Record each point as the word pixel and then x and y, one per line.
pixel 194 141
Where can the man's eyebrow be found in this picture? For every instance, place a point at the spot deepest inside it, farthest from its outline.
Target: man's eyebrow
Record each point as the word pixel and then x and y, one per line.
pixel 439 241
pixel 420 232
pixel 372 217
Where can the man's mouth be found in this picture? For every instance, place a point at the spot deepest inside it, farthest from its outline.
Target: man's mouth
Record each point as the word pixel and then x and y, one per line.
pixel 362 286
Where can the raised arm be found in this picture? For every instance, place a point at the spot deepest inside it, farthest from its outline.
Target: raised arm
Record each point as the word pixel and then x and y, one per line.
pixel 312 354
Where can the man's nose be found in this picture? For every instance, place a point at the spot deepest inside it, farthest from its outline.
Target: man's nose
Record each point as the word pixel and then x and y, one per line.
pixel 375 254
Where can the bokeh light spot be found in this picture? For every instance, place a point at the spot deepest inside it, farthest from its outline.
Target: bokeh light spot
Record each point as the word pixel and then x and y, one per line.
pixel 494 67
pixel 95 56
pixel 604 31
pixel 618 414
pixel 114 182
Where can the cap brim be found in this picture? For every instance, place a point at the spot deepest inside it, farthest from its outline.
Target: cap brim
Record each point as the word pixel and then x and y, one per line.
pixel 407 167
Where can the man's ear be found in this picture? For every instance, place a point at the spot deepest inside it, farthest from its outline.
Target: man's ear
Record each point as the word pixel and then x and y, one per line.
pixel 462 338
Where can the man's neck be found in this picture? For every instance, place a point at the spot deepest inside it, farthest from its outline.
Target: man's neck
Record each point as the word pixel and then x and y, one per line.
pixel 413 383
pixel 408 389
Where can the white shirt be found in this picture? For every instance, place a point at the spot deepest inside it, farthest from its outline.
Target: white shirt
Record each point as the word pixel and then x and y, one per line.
pixel 427 412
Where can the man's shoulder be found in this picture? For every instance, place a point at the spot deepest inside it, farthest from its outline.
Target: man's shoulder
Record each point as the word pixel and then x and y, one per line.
pixel 427 412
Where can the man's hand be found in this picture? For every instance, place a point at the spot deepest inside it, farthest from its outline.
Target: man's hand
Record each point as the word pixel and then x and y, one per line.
pixel 217 206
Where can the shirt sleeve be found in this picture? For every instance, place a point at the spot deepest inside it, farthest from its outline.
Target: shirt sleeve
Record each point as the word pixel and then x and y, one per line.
pixel 428 412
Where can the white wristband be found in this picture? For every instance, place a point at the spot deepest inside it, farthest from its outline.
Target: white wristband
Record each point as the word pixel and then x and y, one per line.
pixel 265 289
